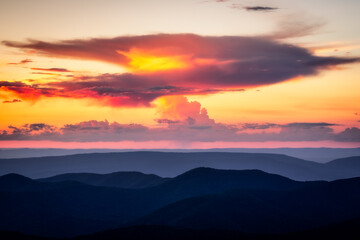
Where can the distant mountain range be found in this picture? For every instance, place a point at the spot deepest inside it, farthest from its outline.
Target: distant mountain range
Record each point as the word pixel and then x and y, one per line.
pixel 170 164
pixel 228 201
pixel 117 179
pixel 312 154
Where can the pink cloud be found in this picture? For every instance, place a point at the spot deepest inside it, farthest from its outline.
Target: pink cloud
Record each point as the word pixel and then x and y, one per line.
pixel 175 64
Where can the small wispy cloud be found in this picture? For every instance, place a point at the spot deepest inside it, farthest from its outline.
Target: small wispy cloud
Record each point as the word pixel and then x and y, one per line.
pixel 25 61
pixel 260 8
pixel 51 69
pixel 12 101
pixel 253 8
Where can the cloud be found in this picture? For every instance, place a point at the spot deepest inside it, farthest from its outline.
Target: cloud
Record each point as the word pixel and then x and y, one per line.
pixel 295 125
pixel 181 120
pixel 258 126
pixel 166 121
pixel 33 131
pixel 187 130
pixel 12 101
pixel 348 135
pixel 179 108
pixel 61 70
pixel 257 8
pixel 293 26
pixel 28 92
pixel 25 61
pixel 308 125
pixel 175 64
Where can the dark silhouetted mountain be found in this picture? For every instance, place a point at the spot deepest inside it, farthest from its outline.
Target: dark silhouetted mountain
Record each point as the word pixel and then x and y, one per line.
pixel 10 235
pixel 264 211
pixel 15 182
pixel 170 164
pixel 65 209
pixel 348 230
pixel 163 233
pixel 117 179
pixel 202 181
pixel 247 200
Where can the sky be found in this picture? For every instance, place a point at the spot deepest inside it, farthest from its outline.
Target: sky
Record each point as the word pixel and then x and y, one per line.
pixel 179 74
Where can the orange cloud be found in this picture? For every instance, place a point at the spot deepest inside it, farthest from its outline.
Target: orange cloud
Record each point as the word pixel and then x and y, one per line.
pixel 141 61
pixel 174 64
pixel 178 108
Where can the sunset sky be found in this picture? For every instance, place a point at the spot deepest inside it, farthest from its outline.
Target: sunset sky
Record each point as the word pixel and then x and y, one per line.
pixel 179 74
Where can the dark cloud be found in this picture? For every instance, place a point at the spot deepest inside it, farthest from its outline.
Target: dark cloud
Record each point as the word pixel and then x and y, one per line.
pixel 295 125
pixel 109 89
pixel 25 61
pixel 308 125
pixel 38 127
pixel 12 101
pixel 260 8
pixel 35 131
pixel 27 91
pixel 212 64
pixel 47 73
pixel 259 126
pixel 167 121
pixel 12 84
pixel 174 130
pixel 51 69
pixel 348 135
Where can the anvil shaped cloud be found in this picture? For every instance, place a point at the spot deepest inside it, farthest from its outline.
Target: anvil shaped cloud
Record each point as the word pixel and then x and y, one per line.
pixel 175 64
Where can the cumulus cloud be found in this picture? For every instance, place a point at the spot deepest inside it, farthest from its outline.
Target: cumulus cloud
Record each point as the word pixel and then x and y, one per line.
pixel 178 108
pixel 176 64
pixel 180 120
pixel 349 135
pixel 32 131
pixel 187 130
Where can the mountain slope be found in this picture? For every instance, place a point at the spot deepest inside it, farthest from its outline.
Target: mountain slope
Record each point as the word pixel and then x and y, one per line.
pixel 344 167
pixel 166 164
pixel 66 209
pixel 117 179
pixel 263 211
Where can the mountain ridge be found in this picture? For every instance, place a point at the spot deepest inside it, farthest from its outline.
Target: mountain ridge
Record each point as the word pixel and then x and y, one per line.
pixel 170 164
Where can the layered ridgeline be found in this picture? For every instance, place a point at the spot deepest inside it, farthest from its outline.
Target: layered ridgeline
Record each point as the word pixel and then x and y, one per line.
pixel 116 179
pixel 312 154
pixel 249 201
pixel 170 164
